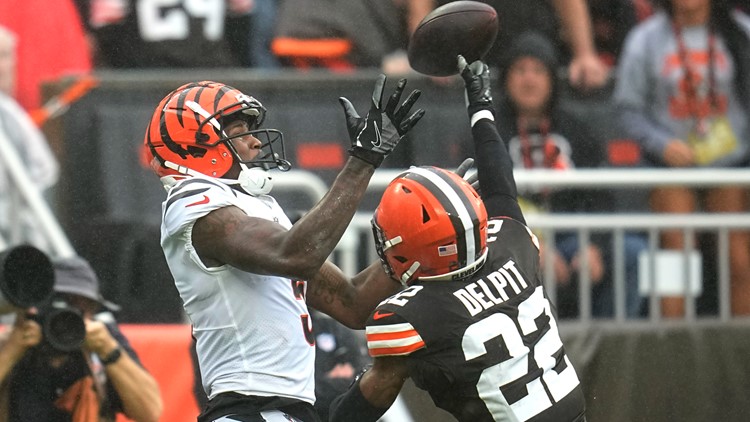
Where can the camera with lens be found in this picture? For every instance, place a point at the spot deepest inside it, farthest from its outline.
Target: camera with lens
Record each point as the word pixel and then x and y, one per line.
pixel 27 279
pixel 62 325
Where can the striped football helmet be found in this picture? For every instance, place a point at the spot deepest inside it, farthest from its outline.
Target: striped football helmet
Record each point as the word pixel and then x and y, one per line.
pixel 186 133
pixel 430 225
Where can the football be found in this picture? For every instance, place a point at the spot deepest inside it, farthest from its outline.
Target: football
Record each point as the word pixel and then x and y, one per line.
pixel 466 27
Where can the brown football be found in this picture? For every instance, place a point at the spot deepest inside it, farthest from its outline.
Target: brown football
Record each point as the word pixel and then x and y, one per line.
pixel 468 28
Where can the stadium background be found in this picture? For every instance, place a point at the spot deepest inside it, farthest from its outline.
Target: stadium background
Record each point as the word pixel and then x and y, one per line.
pixel 109 206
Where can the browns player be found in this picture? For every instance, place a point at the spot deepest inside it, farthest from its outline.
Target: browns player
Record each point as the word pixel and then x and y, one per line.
pixel 244 272
pixel 474 327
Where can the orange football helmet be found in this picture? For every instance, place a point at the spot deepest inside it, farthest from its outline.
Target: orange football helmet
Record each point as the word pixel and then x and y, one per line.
pixel 430 225
pixel 186 132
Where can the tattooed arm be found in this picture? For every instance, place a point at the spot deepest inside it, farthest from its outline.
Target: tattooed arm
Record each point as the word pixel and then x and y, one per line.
pixel 350 301
pixel 229 236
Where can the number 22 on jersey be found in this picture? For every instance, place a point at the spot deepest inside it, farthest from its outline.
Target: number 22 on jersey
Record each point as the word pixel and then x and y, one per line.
pixel 515 366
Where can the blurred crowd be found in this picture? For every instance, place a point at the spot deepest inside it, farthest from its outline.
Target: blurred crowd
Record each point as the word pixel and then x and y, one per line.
pixel 676 71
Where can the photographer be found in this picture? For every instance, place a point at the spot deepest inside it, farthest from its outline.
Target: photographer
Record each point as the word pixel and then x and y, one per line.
pixel 41 381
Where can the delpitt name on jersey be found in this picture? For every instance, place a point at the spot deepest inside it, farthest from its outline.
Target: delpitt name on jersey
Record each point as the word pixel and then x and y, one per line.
pixel 496 288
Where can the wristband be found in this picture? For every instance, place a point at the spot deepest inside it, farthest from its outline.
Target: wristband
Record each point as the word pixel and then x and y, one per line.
pixel 371 157
pixel 481 114
pixel 112 357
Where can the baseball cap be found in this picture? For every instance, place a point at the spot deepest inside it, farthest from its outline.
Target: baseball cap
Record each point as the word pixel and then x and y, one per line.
pixel 75 276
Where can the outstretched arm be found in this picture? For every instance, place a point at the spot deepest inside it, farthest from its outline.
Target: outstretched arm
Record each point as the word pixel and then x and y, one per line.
pixel 494 166
pixel 229 236
pixel 350 302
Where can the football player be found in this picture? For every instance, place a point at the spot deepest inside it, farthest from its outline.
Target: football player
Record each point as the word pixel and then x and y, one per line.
pixel 474 327
pixel 244 272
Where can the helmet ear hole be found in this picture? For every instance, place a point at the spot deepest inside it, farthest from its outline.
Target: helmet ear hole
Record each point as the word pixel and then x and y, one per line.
pixel 400 259
pixel 425 215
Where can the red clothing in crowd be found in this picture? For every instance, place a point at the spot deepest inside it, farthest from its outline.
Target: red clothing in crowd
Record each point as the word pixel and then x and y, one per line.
pixel 51 44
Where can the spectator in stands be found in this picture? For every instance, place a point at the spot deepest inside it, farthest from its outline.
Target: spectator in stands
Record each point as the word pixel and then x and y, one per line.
pixel 643 9
pixel 152 34
pixel 342 35
pixel 539 134
pixel 683 90
pixel 16 223
pixel 51 43
pixel 565 21
pixel 610 22
pixel 249 32
pixel 96 382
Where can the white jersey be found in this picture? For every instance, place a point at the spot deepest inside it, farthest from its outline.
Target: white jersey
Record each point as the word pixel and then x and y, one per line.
pixel 252 331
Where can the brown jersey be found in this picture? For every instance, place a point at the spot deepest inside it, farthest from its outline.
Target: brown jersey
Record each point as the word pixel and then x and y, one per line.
pixel 485 348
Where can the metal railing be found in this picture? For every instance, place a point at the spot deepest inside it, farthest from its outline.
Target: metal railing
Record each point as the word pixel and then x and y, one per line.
pixel 356 247
pixel 358 241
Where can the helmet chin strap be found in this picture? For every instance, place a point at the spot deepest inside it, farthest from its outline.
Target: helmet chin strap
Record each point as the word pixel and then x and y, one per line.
pixel 459 273
pixel 253 180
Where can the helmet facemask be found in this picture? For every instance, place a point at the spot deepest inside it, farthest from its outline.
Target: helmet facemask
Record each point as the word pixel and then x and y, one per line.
pixel 381 245
pixel 272 153
pixel 186 138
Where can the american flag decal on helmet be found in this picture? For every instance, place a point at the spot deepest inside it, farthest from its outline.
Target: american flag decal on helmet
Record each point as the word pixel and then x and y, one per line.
pixel 447 250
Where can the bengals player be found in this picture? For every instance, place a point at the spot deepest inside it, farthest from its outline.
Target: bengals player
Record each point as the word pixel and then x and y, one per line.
pixel 474 327
pixel 245 273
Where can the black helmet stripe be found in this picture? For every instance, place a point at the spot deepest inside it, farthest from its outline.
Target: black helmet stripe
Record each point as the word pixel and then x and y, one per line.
pixel 181 104
pixel 222 92
pixel 151 146
pixel 164 132
pixel 463 216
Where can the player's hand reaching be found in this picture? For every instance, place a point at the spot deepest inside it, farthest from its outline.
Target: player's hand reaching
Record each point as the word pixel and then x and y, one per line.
pixel 473 178
pixel 374 136
pixel 476 78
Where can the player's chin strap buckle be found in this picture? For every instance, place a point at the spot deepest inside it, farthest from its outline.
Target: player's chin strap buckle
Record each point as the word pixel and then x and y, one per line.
pixel 410 272
pixel 391 243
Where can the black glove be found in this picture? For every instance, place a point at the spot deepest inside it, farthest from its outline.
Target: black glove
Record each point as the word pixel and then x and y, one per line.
pixel 374 136
pixel 478 91
pixel 473 178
